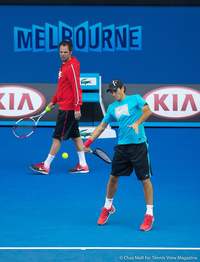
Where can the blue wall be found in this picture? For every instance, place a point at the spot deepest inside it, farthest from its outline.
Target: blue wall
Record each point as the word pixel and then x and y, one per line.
pixel 170 38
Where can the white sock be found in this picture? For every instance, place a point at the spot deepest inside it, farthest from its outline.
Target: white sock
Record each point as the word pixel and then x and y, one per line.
pixel 149 210
pixel 81 156
pixel 108 203
pixel 48 161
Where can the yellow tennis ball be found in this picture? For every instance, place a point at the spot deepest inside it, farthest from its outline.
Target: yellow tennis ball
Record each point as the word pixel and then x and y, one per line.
pixel 48 109
pixel 65 155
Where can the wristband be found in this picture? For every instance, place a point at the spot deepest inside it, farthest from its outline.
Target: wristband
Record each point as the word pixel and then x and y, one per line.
pixel 88 142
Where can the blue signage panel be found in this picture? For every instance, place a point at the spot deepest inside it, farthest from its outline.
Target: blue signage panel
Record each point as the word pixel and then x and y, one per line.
pixel 148 44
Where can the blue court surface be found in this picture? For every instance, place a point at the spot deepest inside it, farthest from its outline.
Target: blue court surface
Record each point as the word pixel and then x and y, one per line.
pixel 54 217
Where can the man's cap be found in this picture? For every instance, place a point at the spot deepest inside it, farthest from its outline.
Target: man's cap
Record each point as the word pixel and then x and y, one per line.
pixel 114 84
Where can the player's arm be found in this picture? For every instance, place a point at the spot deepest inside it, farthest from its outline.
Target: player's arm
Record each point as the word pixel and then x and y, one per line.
pixel 73 75
pixel 50 105
pixel 97 132
pixel 146 113
pixel 74 79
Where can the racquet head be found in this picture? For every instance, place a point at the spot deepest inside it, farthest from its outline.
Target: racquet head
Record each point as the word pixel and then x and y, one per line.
pixel 24 127
pixel 100 153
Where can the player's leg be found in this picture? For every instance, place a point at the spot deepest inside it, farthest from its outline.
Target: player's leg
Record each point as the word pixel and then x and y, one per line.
pixel 112 186
pixel 111 189
pixel 78 142
pixel 108 208
pixel 120 167
pixel 53 152
pixel 148 191
pixel 82 166
pixel 143 171
pixel 44 167
pixel 55 147
pixel 148 194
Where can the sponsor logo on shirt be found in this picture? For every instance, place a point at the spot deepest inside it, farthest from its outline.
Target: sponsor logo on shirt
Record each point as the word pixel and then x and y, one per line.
pixel 121 110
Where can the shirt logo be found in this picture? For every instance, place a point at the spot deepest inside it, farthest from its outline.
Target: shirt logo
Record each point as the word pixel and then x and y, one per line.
pixel 121 110
pixel 59 74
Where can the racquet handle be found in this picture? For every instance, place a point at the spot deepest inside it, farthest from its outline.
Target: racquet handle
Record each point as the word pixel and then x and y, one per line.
pixel 49 108
pixel 87 151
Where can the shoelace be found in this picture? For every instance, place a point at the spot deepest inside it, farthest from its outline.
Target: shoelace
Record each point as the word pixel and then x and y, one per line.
pixel 105 212
pixel 148 220
pixel 77 166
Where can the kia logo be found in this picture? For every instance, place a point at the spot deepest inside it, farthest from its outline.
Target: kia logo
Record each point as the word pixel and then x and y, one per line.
pixel 174 102
pixel 17 101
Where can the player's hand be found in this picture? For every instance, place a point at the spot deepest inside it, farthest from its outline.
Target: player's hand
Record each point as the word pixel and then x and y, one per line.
pixel 50 105
pixel 135 127
pixel 86 149
pixel 77 115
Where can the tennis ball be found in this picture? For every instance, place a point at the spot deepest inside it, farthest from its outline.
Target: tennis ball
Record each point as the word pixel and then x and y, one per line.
pixel 65 155
pixel 48 109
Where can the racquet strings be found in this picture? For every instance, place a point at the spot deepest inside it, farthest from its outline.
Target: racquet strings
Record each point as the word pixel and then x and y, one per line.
pixel 103 155
pixel 24 127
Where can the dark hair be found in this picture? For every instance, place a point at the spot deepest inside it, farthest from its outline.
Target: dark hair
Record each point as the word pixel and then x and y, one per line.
pixel 66 43
pixel 124 88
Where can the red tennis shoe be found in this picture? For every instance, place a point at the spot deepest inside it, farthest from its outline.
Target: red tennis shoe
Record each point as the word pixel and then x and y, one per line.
pixel 105 215
pixel 79 169
pixel 148 222
pixel 40 168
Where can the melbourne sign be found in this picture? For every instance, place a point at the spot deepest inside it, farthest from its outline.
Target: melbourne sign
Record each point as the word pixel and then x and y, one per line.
pixel 85 38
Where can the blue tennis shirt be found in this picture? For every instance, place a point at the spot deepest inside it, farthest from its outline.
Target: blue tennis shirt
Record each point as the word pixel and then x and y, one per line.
pixel 126 112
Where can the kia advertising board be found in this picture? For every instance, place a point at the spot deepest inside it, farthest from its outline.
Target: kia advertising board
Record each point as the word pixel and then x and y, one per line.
pixel 20 101
pixel 174 102
pixel 171 105
pixel 27 99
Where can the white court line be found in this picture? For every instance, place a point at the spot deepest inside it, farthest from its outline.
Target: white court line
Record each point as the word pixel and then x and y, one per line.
pixel 104 248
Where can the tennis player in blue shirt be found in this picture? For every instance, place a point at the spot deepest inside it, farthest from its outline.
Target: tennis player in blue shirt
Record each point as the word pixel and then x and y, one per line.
pixel 132 152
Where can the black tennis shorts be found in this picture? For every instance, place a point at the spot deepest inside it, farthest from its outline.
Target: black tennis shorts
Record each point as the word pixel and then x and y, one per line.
pixel 66 125
pixel 132 157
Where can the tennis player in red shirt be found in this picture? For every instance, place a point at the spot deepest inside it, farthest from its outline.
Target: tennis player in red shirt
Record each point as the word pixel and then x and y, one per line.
pixel 69 98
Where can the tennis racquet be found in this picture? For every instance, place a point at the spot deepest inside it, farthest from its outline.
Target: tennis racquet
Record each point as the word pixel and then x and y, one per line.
pixel 25 126
pixel 101 154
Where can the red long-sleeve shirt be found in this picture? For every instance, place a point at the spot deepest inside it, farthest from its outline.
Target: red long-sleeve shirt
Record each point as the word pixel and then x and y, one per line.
pixel 69 94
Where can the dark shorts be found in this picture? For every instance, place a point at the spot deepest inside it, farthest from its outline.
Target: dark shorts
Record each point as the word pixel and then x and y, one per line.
pixel 66 126
pixel 132 157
